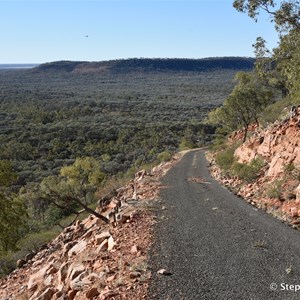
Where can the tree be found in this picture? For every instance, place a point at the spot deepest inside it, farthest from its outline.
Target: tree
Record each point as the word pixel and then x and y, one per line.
pixel 13 221
pixel 7 175
pixel 75 186
pixel 279 68
pixel 13 214
pixel 244 105
pixel 287 57
pixel 267 68
pixel 286 17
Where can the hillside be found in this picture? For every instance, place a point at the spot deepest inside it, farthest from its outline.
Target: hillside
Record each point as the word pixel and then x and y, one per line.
pixel 93 260
pixel 275 186
pixel 146 65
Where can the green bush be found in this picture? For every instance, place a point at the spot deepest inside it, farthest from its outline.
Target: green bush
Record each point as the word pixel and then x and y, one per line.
pixel 164 156
pixel 291 170
pixel 218 143
pixel 248 172
pixel 186 144
pixel 275 111
pixel 274 189
pixel 7 263
pixel 225 158
pixel 33 242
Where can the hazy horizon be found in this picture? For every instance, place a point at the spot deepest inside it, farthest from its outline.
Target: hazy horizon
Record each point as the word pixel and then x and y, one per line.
pixel 192 58
pixel 106 30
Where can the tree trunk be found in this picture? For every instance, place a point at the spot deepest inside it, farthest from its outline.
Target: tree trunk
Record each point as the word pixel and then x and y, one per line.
pixel 245 134
pixel 91 211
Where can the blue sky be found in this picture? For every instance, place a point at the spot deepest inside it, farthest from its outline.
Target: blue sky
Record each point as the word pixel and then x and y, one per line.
pixel 49 30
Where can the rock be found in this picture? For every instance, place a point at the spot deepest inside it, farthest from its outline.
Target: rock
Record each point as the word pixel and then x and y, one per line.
pixel 111 243
pixel 79 247
pixel 48 280
pixel 164 272
pixel 21 263
pixel 134 249
pixel 134 275
pixel 52 270
pixel 72 294
pixel 30 256
pixel 47 294
pixel 111 278
pixel 80 282
pixel 103 246
pixel 294 212
pixel 37 279
pixel 75 270
pixel 108 294
pixel 91 293
pixel 67 247
pixel 63 272
pixel 101 237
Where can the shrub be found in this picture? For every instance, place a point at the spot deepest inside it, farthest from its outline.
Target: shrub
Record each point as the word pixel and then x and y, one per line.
pixel 186 144
pixel 291 170
pixel 225 158
pixel 7 263
pixel 248 172
pixel 218 143
pixel 36 240
pixel 274 189
pixel 164 156
pixel 274 111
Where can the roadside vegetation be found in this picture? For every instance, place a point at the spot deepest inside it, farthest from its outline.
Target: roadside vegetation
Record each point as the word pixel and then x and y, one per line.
pixel 246 172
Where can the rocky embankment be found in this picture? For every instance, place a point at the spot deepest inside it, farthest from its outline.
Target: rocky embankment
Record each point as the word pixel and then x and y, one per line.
pixel 91 259
pixel 277 188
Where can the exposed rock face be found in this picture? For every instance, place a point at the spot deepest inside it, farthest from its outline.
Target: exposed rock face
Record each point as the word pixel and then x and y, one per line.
pixel 91 259
pixel 278 145
pixel 277 189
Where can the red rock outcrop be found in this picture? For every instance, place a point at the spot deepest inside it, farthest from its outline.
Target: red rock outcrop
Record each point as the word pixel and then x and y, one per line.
pixel 278 145
pixel 277 189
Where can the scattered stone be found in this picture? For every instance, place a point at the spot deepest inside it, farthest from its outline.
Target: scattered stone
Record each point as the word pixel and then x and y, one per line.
pixel 289 270
pixel 134 249
pixel 111 243
pixel 79 247
pixel 164 272
pixel 75 270
pixel 77 265
pixel 134 275
pixel 103 246
pixel 47 294
pixel 30 256
pixel 63 272
pixel 108 294
pixel 91 293
pixel 21 263
pixel 101 237
pixel 111 278
pixel 72 294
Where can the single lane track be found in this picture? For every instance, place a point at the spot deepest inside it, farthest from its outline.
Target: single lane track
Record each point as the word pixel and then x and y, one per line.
pixel 216 245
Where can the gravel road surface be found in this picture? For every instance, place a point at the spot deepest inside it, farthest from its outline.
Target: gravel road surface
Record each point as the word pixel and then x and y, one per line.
pixel 217 246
